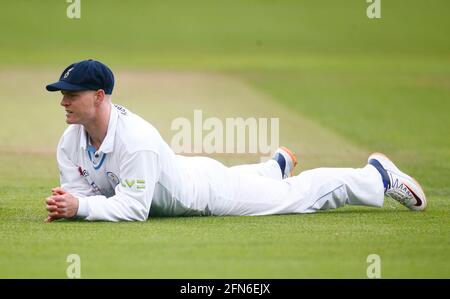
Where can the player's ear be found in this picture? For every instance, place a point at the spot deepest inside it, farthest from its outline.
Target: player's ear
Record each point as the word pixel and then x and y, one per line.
pixel 99 97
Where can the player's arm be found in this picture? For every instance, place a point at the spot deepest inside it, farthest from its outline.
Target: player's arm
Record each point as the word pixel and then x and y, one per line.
pixel 63 202
pixel 70 176
pixel 139 172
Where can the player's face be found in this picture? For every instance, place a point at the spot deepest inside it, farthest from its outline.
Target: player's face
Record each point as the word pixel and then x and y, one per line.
pixel 79 106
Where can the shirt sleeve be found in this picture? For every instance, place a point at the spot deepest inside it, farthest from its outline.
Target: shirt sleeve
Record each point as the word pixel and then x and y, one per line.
pixel 71 178
pixel 139 173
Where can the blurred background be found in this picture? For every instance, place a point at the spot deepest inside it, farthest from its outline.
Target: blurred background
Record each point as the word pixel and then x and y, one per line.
pixel 363 79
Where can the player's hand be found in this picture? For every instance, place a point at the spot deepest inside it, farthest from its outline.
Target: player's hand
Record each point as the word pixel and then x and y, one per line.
pixel 61 205
pixel 58 191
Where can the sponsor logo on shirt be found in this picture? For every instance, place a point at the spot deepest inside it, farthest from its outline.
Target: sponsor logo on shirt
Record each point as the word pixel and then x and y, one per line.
pixel 122 110
pixel 136 184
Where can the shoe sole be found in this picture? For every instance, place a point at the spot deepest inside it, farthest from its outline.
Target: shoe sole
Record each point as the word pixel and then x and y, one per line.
pixel 418 192
pixel 292 156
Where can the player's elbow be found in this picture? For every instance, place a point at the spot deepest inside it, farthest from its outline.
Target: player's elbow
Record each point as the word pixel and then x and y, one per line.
pixel 139 213
pixel 141 218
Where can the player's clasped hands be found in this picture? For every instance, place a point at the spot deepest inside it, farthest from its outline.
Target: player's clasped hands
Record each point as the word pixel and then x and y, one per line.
pixel 60 205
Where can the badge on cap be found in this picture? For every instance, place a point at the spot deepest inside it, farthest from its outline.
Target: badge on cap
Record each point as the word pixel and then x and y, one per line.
pixel 67 73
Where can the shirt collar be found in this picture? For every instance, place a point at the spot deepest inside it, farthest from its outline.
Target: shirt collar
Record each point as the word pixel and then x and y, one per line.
pixel 107 145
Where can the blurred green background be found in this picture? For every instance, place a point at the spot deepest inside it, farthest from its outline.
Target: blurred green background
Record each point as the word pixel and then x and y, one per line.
pixel 342 84
pixel 225 34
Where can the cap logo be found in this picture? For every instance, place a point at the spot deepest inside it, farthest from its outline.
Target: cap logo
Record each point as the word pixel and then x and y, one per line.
pixel 67 73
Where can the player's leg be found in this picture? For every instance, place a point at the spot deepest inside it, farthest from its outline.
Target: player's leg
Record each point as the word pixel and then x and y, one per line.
pixel 331 188
pixel 280 166
pixel 318 189
pixel 268 169
pixel 322 188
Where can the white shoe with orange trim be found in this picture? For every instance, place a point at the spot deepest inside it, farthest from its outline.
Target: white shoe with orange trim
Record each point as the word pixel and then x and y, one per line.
pixel 398 185
pixel 287 161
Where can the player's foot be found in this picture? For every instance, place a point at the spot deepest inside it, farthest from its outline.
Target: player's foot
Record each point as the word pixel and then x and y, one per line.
pixel 399 185
pixel 287 161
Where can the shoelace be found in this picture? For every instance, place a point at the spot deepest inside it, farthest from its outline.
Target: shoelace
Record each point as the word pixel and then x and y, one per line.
pixel 400 195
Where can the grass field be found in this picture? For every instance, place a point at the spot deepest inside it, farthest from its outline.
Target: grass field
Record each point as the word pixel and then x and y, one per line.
pixel 342 85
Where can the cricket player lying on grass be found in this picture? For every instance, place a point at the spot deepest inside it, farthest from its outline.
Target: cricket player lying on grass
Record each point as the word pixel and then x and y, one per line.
pixel 115 166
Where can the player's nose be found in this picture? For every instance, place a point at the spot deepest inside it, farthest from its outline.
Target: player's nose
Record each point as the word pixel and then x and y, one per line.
pixel 64 102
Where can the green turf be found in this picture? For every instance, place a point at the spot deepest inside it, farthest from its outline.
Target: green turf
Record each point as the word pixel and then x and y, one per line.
pixel 332 244
pixel 381 85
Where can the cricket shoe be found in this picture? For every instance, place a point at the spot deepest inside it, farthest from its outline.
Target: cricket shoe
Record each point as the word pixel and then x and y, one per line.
pixel 287 161
pixel 398 185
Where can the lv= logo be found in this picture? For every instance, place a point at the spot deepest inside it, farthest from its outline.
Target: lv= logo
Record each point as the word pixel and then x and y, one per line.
pixel 130 183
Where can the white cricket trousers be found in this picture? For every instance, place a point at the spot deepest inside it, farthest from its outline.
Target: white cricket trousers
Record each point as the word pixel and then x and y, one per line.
pixel 258 189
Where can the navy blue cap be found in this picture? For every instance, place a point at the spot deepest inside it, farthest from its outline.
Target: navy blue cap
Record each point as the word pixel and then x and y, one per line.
pixel 85 75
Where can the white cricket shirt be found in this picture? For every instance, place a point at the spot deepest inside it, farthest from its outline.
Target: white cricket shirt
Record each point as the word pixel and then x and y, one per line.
pixel 133 170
